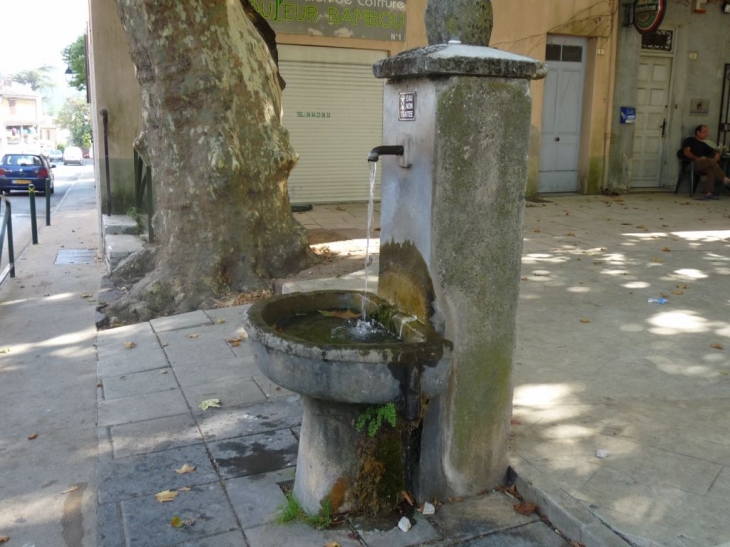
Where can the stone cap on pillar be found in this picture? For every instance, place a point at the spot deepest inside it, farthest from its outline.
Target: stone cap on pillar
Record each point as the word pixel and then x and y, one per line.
pixel 459 60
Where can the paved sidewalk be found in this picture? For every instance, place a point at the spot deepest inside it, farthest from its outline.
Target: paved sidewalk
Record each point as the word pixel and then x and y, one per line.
pixel 155 376
pixel 599 371
pixel 48 446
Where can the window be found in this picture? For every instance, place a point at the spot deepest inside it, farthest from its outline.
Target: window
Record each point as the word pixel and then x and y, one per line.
pixel 567 54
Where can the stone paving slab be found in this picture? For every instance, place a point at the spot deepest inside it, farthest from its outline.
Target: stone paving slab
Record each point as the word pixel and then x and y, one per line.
pixel 479 516
pixel 183 321
pixel 127 363
pixel 255 454
pixel 230 539
pixel 141 407
pixel 255 499
pixel 191 374
pixel 138 383
pixel 147 521
pixel 146 474
pixel 154 435
pixel 301 535
pixel 233 392
pixel 230 422
pixel 528 535
pixel 109 526
pixel 181 349
pixel 127 333
pixel 421 532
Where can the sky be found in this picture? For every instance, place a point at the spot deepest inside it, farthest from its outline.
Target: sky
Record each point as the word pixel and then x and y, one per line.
pixel 34 32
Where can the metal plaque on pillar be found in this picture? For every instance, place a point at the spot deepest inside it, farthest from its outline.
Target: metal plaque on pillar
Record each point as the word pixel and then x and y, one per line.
pixel 407 106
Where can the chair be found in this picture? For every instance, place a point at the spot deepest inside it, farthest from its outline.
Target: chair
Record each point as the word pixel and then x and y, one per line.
pixel 686 167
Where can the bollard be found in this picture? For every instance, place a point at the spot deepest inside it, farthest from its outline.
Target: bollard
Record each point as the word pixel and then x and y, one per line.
pixel 33 223
pixel 48 202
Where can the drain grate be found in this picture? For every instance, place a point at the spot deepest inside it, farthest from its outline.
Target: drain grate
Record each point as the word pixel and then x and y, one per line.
pixel 75 256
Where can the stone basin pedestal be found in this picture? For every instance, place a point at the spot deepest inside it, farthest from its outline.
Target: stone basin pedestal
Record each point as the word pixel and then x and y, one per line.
pixel 338 380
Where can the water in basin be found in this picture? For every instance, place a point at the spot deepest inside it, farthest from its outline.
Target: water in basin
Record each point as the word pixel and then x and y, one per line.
pixel 335 326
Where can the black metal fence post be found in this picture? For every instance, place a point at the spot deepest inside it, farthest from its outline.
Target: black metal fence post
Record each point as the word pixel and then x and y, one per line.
pixel 33 222
pixel 48 202
pixel 7 220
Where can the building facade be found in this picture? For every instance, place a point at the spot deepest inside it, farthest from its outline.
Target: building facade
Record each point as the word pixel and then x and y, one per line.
pixel 609 117
pixel 20 118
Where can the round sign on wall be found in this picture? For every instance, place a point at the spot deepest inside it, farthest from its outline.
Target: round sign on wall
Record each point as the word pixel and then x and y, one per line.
pixel 649 14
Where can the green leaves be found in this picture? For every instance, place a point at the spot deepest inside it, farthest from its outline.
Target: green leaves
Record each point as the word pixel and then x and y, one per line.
pixel 373 418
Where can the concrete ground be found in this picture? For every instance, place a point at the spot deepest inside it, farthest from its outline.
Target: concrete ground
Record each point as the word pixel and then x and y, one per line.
pixel 619 417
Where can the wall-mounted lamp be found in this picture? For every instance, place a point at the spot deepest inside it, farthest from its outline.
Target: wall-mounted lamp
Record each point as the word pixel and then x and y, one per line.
pixel 68 74
pixel 627 13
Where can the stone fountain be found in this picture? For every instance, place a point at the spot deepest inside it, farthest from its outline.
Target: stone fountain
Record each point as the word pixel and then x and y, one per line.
pixel 454 169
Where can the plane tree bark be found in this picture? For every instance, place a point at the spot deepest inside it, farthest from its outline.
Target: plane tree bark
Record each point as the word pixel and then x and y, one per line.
pixel 220 158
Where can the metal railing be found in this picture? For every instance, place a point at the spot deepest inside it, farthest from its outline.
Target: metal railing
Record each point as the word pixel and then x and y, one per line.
pixel 7 226
pixel 142 189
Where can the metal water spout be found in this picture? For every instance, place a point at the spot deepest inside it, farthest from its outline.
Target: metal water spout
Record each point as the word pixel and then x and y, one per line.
pixel 385 150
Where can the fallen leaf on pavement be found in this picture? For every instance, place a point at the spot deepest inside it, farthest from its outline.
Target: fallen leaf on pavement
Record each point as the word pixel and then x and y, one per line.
pixel 184 489
pixel 666 250
pixel 663 295
pixel 677 292
pixel 69 490
pixel 86 295
pixel 193 336
pixel 235 342
pixel 5 350
pixel 220 321
pixel 177 522
pixel 33 437
pixel 570 234
pixel 577 544
pixel 130 345
pixel 210 403
pixel 724 373
pixel 717 346
pixel 585 320
pixel 657 260
pixel 525 508
pixel 537 230
pixel 683 286
pixel 641 226
pixel 165 495
pixel 524 279
pixel 340 314
pixel 4 539
pixel 407 497
pixel 332 544
pixel 597 262
pixel 185 469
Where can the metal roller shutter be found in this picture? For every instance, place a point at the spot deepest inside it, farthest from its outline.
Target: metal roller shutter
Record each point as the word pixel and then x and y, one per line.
pixel 333 109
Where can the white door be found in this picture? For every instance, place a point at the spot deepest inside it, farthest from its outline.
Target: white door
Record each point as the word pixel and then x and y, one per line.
pixel 562 111
pixel 333 109
pixel 651 119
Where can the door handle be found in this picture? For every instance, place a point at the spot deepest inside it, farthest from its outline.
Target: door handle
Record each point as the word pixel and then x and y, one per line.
pixel 557 139
pixel 664 127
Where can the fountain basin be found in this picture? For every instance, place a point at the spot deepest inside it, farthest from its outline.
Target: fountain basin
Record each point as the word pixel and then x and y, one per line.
pixel 352 371
pixel 338 378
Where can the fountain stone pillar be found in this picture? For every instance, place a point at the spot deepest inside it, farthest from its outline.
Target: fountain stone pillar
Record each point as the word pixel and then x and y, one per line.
pixel 451 239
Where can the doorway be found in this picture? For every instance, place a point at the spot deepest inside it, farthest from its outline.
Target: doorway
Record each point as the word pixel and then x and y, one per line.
pixel 652 111
pixel 562 111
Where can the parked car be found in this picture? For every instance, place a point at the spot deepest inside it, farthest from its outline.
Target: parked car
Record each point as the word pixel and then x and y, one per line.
pixel 55 156
pixel 17 171
pixel 72 154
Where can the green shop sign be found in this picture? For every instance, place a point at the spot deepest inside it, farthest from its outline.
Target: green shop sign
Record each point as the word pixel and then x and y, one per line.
pixel 649 14
pixel 369 19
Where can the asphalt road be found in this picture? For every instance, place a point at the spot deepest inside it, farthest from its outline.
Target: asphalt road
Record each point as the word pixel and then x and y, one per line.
pixel 65 178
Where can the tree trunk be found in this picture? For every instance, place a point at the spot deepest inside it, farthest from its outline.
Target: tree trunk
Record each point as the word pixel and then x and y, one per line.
pixel 220 157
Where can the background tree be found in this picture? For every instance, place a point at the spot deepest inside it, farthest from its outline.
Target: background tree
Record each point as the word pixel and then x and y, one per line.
pixel 37 78
pixel 75 56
pixel 220 158
pixel 76 117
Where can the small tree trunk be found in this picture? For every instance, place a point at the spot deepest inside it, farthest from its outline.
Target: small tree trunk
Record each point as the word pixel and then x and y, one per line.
pixel 220 157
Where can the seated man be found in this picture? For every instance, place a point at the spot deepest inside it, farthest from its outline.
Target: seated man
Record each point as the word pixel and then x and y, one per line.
pixel 705 160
